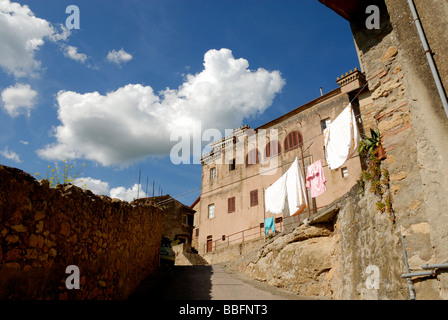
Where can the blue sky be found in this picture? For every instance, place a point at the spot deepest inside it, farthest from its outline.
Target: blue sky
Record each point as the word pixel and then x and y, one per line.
pixel 110 94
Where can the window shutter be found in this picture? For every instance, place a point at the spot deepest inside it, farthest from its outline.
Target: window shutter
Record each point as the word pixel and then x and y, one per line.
pixel 254 198
pixel 295 139
pixel 231 205
pixel 292 140
pixel 252 157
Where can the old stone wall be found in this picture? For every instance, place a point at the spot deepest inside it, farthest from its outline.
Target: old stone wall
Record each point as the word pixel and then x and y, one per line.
pixel 407 110
pixel 43 230
pixel 403 104
pixel 298 261
pixel 339 258
pixel 232 252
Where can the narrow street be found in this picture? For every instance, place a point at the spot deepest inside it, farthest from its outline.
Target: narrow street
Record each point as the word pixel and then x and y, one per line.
pixel 209 282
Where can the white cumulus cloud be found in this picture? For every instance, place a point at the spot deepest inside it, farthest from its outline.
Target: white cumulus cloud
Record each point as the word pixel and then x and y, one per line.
pixel 11 155
pixel 18 99
pixel 133 122
pixel 119 56
pixel 72 53
pixel 99 187
pixel 21 36
pixel 96 186
pixel 127 194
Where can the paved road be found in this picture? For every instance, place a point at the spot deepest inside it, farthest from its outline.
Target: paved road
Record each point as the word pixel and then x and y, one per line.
pixel 210 282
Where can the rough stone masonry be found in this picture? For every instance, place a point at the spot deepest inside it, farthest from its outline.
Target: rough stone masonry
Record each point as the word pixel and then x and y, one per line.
pixel 43 230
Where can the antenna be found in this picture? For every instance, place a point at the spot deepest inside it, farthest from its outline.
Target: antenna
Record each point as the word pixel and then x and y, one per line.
pixel 138 187
pixel 147 185
pixel 321 92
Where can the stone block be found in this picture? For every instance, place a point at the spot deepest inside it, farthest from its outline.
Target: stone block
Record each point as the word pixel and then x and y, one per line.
pixel 11 239
pixel 19 228
pixel 65 229
pixel 390 53
pixel 398 176
pixel 32 241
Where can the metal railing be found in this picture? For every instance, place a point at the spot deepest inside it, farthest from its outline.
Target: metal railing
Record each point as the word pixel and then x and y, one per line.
pixel 253 233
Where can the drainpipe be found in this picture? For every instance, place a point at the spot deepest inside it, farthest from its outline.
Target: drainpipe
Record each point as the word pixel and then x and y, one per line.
pixel 410 284
pixel 429 56
pixel 435 266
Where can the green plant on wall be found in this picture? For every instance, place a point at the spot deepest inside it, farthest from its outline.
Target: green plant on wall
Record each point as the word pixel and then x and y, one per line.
pixel 369 145
pixel 373 173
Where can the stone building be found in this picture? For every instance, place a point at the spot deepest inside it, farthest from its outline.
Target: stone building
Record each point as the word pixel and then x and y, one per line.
pixel 177 218
pixel 407 75
pixel 241 166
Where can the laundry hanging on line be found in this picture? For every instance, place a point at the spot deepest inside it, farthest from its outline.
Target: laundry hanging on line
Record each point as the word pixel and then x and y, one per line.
pixel 295 189
pixel 292 185
pixel 269 224
pixel 275 196
pixel 315 179
pixel 341 138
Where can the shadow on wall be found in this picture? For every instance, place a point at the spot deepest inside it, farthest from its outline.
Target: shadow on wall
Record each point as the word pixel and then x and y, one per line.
pixel 366 39
pixel 176 283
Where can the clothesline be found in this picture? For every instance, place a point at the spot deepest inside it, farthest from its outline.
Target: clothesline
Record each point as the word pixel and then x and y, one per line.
pixel 308 140
pixel 341 143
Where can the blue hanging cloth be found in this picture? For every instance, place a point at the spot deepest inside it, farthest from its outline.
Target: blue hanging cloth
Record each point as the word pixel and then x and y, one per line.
pixel 269 224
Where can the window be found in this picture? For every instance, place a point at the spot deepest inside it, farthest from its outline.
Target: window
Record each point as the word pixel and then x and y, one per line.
pixel 197 232
pixel 223 237
pixel 325 123
pixel 273 149
pixel 254 198
pixel 211 211
pixel 232 165
pixel 278 220
pixel 187 219
pixel 231 205
pixel 253 157
pixel 292 140
pixel 344 172
pixel 212 173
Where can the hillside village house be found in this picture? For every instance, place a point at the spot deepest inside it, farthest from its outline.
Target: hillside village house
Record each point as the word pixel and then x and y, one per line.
pixel 177 218
pixel 231 206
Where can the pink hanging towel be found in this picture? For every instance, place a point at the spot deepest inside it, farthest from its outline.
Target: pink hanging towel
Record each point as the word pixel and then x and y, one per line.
pixel 315 179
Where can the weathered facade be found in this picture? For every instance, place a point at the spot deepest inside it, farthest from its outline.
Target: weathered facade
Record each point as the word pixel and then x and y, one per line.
pixel 403 99
pixel 177 221
pixel 243 165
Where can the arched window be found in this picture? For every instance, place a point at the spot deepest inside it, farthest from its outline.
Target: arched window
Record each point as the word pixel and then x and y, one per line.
pixel 293 140
pixel 253 157
pixel 273 149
